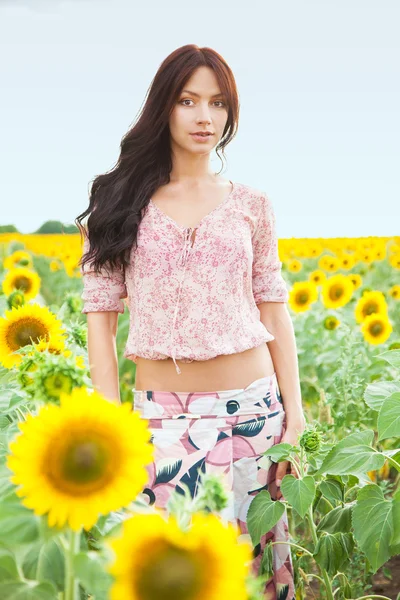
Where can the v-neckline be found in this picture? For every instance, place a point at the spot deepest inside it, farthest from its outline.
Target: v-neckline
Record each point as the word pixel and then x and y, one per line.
pixel 182 227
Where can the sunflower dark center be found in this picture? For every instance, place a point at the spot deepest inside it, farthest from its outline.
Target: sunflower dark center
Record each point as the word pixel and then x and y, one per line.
pixel 336 292
pixel 84 462
pixel 58 381
pixel 376 328
pixel 22 283
pixel 171 573
pixel 302 298
pixel 370 308
pixel 21 332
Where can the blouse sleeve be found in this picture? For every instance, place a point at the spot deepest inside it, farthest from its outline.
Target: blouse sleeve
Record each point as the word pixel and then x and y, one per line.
pixel 102 291
pixel 268 283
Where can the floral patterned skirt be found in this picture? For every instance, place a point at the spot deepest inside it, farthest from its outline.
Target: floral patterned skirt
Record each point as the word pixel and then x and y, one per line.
pixel 222 432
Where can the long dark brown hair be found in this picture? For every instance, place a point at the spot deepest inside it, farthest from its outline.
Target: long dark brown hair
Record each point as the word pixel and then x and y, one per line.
pixel 118 197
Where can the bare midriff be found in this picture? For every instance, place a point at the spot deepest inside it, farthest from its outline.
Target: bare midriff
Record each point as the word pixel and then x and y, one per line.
pixel 223 372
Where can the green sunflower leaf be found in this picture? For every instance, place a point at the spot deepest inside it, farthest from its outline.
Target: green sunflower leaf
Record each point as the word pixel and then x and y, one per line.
pixel 389 417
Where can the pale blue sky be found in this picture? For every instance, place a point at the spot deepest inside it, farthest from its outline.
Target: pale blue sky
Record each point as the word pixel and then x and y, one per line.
pixel 319 87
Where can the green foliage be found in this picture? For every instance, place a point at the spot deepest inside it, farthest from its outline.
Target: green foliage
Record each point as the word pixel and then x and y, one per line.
pixel 8 229
pixel 56 227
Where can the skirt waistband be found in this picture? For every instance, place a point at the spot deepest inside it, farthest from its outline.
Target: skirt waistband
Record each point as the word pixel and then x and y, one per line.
pixel 262 396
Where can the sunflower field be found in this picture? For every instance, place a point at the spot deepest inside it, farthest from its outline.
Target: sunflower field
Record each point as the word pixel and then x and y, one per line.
pixel 73 522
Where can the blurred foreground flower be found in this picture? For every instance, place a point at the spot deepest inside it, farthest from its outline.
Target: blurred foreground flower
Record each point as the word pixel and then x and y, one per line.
pixel 155 559
pixel 81 459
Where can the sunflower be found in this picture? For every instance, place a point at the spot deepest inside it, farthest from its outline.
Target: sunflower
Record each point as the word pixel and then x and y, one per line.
pixel 54 265
pixel 155 559
pixel 314 249
pixel 376 328
pixel 371 302
pixel 380 253
pixel 317 276
pixel 395 260
pixel 347 261
pixel 331 322
pixel 26 325
pixel 16 298
pixel 329 263
pixel 356 280
pixel 54 346
pixel 19 258
pixel 80 459
pixel 302 295
pixel 294 265
pixel 366 255
pixel 23 279
pixel 337 291
pixel 394 292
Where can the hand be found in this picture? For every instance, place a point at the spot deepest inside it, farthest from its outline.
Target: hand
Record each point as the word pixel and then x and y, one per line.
pixel 291 436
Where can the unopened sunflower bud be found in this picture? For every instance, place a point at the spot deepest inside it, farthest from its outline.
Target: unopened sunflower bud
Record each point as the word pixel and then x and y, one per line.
pixel 311 440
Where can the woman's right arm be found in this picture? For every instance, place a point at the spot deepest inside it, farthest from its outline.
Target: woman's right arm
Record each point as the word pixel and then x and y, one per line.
pixel 102 302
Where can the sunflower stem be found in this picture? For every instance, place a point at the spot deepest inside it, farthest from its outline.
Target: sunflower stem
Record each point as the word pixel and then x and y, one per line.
pixel 71 589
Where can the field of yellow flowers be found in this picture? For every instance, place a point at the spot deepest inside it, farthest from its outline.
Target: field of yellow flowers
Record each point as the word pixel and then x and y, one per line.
pixel 73 524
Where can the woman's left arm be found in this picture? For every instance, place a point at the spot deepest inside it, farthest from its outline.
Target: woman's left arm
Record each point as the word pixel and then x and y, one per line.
pixel 276 318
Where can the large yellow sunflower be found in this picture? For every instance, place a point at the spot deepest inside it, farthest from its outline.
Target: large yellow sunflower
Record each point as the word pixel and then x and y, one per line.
pixel 24 325
pixel 371 302
pixel 155 559
pixel 337 291
pixel 80 459
pixel 376 328
pixel 302 295
pixel 23 279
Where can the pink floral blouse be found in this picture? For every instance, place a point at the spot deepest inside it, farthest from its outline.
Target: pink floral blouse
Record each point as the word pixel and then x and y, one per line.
pixel 195 302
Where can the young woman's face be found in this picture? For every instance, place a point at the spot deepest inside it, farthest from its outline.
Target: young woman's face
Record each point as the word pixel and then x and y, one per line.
pixel 200 107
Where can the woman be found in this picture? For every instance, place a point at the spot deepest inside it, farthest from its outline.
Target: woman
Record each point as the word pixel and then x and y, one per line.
pixel 196 257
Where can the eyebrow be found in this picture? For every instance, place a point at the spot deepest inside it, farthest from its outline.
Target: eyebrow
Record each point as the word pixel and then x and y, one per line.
pixel 198 95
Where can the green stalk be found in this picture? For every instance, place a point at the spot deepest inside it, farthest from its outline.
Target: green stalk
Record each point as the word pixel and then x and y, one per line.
pixel 71 588
pixel 393 462
pixel 324 574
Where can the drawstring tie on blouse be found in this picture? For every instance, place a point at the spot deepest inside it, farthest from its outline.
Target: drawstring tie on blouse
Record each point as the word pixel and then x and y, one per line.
pixel 183 259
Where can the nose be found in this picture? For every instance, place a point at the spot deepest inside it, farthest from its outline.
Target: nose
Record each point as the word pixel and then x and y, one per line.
pixel 203 114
